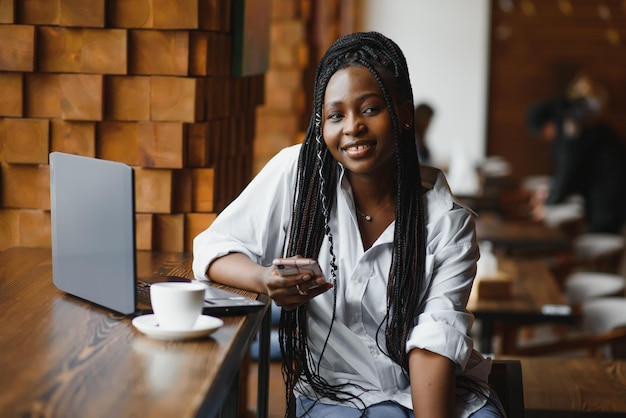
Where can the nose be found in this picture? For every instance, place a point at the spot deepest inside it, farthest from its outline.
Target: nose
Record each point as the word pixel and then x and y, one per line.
pixel 353 125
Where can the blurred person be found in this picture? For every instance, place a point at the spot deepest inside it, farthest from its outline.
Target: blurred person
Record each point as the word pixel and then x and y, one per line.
pixel 423 116
pixel 588 158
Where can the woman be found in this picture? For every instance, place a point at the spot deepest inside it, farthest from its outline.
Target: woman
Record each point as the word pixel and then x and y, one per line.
pixel 386 333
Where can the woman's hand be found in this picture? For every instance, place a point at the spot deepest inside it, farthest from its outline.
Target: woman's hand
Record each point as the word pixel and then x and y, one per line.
pixel 289 292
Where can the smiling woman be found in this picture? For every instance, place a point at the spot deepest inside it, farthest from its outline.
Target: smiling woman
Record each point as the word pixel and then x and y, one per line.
pixel 354 197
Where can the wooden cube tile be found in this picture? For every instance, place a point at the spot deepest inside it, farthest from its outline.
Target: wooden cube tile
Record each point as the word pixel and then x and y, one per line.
pixel 161 144
pixel 194 224
pixel 9 228
pixel 210 12
pixel 197 144
pixel 18 48
pixel 169 232
pixel 198 52
pixel 25 140
pixel 128 98
pixel 131 14
pixel 73 137
pixel 203 192
pixel 38 12
pixel 144 226
pixel 183 16
pixel 35 229
pixel 154 52
pixel 42 94
pixel 182 194
pixel 153 190
pixel 78 50
pixel 83 13
pixel 82 96
pixel 43 180
pixel 162 191
pixel 217 94
pixel 19 186
pixel 12 99
pixel 176 99
pixel 118 141
pixel 7 12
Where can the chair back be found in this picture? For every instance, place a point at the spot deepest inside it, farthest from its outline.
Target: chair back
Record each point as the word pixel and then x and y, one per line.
pixel 506 380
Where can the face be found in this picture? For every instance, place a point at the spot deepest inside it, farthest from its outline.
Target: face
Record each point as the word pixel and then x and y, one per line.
pixel 357 126
pixel 548 131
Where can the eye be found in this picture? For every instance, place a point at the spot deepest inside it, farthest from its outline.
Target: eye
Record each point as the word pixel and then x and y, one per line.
pixel 334 116
pixel 370 110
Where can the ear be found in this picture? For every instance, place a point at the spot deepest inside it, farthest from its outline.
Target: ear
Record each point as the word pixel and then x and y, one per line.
pixel 406 114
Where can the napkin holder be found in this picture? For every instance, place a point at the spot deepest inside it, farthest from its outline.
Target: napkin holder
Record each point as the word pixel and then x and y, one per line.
pixel 496 286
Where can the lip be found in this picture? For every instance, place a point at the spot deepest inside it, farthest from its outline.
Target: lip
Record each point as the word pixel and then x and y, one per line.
pixel 359 149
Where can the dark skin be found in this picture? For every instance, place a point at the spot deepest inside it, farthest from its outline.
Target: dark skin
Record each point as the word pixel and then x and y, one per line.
pixel 358 131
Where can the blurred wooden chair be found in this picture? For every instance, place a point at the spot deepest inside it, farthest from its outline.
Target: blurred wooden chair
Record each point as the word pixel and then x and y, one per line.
pixel 506 380
pixel 598 252
pixel 592 252
pixel 581 286
pixel 603 333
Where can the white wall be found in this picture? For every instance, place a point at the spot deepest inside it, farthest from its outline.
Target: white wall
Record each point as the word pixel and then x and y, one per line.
pixel 447 49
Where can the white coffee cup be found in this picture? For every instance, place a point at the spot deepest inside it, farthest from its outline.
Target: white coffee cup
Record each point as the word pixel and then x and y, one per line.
pixel 177 305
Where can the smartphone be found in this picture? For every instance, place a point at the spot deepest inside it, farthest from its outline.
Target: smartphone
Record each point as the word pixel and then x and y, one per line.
pixel 290 266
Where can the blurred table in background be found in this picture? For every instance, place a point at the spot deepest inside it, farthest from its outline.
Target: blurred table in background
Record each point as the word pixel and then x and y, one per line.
pixel 523 237
pixel 534 297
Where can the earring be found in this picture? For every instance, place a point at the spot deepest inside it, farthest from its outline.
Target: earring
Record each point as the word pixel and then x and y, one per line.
pixel 407 125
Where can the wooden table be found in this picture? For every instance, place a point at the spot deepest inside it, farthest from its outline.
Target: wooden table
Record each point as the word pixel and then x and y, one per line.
pixel 519 236
pixel 63 357
pixel 533 287
pixel 574 387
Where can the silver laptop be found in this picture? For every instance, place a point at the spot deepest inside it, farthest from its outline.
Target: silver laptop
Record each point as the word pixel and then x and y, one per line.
pixel 93 239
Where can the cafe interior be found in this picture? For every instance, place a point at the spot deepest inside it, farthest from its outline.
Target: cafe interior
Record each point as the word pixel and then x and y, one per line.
pixel 197 95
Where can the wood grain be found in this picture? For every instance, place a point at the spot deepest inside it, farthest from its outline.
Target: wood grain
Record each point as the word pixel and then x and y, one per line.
pixel 78 359
pixel 42 95
pixel 12 88
pixel 17 48
pixel 82 97
pixel 25 140
pixel 574 387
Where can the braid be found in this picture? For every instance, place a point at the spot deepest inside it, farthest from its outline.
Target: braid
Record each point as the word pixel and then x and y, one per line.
pixel 315 194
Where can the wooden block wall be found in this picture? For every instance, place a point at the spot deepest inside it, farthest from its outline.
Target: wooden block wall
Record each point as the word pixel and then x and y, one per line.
pixel 144 82
pixel 282 119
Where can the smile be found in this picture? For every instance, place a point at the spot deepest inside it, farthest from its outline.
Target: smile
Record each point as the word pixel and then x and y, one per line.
pixel 356 148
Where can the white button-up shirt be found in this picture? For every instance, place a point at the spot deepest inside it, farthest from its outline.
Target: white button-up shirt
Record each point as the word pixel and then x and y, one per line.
pixel 256 224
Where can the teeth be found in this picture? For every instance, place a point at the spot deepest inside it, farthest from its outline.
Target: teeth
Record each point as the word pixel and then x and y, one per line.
pixel 358 147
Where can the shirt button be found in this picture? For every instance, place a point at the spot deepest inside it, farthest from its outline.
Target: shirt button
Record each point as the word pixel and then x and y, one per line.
pixel 354 319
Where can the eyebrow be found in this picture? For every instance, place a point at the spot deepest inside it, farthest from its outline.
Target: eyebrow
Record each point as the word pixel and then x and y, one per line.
pixel 360 98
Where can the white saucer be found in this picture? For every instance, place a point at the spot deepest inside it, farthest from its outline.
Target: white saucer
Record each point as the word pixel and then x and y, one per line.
pixel 204 326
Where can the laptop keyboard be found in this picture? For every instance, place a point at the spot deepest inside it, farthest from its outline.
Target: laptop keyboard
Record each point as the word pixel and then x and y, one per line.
pixel 143 292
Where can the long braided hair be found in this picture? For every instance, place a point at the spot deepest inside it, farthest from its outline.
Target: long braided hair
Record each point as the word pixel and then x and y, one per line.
pixel 315 193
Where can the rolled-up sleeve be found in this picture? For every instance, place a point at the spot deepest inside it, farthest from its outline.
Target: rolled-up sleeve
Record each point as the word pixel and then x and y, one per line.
pixel 443 325
pixel 256 222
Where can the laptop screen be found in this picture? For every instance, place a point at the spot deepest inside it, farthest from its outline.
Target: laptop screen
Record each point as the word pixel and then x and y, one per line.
pixel 93 231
